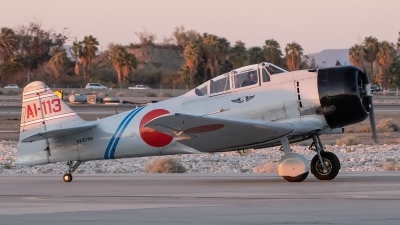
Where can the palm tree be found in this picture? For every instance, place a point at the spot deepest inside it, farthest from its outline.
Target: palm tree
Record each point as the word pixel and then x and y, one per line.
pixel 272 52
pixel 356 56
pixel 8 43
pixel 59 58
pixel 294 52
pixel 398 43
pixel 89 49
pixel 210 49
pixel 371 48
pixel 385 58
pixel 122 61
pixel 223 50
pixel 129 64
pixel 192 55
pixel 256 55
pixel 117 55
pixel 238 55
pixel 12 65
pixel 185 74
pixel 76 51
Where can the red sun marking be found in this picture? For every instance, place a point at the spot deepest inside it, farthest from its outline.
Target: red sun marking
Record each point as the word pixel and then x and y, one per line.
pixel 151 136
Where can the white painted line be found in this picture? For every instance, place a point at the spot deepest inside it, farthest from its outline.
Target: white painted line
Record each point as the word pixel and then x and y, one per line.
pixel 48 118
pixel 37 97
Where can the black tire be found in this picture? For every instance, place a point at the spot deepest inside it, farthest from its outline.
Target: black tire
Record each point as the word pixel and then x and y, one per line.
pixel 298 178
pixel 332 163
pixel 67 177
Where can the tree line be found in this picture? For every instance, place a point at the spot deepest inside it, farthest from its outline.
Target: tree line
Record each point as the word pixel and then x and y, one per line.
pixel 383 55
pixel 33 52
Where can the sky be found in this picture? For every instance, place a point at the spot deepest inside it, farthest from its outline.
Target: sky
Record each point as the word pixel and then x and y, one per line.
pixel 314 24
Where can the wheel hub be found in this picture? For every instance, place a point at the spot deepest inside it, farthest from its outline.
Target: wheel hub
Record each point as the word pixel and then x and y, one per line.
pixel 324 169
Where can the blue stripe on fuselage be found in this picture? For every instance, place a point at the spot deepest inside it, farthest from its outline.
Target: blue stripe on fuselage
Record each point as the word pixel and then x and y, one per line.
pixel 114 147
pixel 106 153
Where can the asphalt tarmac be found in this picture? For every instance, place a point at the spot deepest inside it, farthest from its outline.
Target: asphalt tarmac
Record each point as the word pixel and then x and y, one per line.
pixel 352 198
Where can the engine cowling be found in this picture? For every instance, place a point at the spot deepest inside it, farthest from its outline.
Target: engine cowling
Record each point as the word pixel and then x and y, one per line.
pixel 343 87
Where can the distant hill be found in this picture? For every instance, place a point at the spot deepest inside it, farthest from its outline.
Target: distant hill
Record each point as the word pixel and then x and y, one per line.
pixel 156 57
pixel 330 56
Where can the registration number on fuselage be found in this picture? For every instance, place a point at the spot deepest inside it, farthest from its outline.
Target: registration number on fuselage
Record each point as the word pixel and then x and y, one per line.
pixel 86 139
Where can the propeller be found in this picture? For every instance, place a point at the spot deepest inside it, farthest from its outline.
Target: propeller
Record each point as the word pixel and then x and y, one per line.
pixel 370 89
pixel 372 119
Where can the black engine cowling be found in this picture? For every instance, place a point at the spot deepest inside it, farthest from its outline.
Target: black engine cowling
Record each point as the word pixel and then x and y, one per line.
pixel 343 87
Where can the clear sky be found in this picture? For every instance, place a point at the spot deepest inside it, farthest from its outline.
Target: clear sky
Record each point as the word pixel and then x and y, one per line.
pixel 314 24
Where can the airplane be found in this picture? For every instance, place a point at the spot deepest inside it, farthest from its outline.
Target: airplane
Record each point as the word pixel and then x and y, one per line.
pixel 252 107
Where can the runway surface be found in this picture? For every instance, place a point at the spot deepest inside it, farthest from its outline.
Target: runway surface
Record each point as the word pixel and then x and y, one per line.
pixel 352 198
pixel 113 109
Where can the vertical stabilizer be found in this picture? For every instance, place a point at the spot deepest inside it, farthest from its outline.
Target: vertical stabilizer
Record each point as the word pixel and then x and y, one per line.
pixel 41 111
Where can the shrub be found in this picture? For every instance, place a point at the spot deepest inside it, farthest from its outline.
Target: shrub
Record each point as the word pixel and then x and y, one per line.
pixel 348 140
pixel 165 165
pixel 119 94
pixel 385 125
pixel 389 166
pixel 266 168
pixel 102 95
pixel 166 95
pixel 151 94
pixel 245 152
pixel 13 93
pixel 7 166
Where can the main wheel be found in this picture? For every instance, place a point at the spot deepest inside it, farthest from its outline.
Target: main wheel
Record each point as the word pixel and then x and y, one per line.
pixel 298 178
pixel 67 177
pixel 332 166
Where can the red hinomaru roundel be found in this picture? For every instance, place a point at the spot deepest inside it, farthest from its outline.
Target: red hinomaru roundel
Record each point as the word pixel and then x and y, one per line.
pixel 151 136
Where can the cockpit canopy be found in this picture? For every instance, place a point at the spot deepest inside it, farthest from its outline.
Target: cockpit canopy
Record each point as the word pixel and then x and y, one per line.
pixel 242 77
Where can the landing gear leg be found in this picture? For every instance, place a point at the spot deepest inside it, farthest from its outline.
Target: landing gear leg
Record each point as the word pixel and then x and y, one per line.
pixel 72 167
pixel 293 167
pixel 324 165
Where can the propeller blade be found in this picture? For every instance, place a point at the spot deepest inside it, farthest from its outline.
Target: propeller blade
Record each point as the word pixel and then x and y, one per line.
pixel 365 72
pixel 372 119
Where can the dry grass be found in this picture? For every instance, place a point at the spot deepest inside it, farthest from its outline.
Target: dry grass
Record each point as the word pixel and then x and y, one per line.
pixel 385 125
pixel 166 94
pixel 165 165
pixel 102 95
pixel 266 168
pixel 387 166
pixel 348 140
pixel 119 94
pixel 390 165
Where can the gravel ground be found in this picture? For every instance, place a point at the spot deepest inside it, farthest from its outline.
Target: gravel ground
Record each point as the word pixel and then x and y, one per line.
pixel 353 158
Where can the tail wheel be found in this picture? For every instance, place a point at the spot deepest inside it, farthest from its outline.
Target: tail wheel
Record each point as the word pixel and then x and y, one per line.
pixel 330 169
pixel 298 178
pixel 67 177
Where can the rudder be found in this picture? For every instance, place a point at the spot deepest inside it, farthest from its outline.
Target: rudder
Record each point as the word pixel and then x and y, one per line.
pixel 42 110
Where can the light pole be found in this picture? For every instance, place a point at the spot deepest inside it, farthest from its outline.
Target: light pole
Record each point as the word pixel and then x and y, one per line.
pixel 29 77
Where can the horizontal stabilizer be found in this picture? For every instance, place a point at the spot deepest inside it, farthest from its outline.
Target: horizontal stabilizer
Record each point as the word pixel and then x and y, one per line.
pixel 58 133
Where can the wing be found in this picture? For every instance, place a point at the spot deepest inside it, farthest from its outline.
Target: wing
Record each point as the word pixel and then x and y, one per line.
pixel 58 133
pixel 210 133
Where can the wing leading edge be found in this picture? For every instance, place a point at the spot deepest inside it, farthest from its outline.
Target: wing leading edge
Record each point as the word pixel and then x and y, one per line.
pixel 210 133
